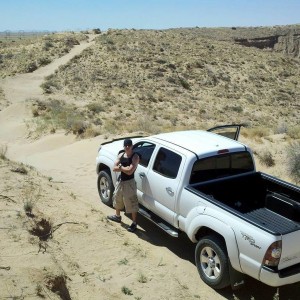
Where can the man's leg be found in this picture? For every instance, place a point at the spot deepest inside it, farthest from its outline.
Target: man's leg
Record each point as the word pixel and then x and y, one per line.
pixel 117 203
pixel 134 216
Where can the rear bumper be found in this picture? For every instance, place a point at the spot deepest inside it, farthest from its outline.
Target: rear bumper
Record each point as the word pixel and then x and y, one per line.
pixel 280 277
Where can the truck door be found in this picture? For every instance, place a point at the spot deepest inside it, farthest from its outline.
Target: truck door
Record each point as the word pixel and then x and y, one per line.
pixel 144 149
pixel 164 177
pixel 230 131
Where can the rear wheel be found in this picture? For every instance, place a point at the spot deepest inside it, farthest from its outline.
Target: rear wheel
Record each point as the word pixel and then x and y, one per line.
pixel 212 262
pixel 105 187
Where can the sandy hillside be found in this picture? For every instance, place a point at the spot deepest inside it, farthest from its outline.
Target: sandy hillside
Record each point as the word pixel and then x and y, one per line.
pixel 80 255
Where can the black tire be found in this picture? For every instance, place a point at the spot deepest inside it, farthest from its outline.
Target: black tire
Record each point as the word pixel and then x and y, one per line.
pixel 105 187
pixel 212 262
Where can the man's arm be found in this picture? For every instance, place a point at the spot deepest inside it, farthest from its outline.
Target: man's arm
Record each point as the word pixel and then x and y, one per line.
pixel 117 164
pixel 130 169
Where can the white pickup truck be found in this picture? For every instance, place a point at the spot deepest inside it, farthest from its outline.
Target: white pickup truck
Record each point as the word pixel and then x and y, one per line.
pixel 204 183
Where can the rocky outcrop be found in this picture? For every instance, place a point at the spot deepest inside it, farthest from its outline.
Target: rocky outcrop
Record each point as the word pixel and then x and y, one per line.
pixel 287 43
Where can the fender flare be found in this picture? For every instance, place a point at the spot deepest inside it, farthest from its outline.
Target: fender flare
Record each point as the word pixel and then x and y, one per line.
pixel 221 228
pixel 107 163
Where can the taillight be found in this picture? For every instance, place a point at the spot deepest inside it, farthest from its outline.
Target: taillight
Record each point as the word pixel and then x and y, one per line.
pixel 273 255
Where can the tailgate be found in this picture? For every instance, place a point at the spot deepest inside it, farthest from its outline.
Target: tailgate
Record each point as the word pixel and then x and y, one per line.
pixel 290 250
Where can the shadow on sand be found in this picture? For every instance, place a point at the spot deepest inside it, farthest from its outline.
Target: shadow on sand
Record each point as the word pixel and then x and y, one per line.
pixel 184 249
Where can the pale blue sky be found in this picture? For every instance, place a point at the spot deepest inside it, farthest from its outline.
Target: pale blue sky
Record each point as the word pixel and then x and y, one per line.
pixel 59 15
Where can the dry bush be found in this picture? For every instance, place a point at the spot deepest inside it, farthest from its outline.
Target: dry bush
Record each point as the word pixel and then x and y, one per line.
pixel 294 132
pixel 53 114
pixel 266 158
pixel 256 132
pixel 293 160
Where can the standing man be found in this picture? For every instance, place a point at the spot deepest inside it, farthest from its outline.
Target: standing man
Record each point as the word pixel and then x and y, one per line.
pixel 125 192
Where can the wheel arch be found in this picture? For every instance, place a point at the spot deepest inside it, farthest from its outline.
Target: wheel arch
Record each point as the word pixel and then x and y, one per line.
pixel 204 225
pixel 103 167
pixel 106 164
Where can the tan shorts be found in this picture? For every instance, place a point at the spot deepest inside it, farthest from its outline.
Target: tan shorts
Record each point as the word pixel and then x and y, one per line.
pixel 125 195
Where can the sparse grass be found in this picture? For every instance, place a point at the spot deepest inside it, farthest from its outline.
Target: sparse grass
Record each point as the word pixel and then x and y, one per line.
pixel 39 291
pixel 28 207
pixel 142 278
pixel 126 243
pixel 161 263
pixel 3 152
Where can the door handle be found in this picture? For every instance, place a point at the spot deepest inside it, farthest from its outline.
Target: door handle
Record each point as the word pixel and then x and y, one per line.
pixel 142 174
pixel 170 191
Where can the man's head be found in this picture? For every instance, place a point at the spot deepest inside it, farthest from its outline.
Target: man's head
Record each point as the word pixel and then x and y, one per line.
pixel 127 143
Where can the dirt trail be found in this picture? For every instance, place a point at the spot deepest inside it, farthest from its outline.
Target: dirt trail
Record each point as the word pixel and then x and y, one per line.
pixel 44 154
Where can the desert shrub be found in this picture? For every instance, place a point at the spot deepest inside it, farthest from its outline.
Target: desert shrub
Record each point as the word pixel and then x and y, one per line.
pixel 30 67
pixel 293 160
pixel 95 107
pixel 56 114
pixel 77 126
pixel 126 291
pixel 266 158
pixel 281 128
pixel 96 31
pixel 47 45
pixel 91 132
pixel 49 85
pixel 184 83
pixel 43 61
pixel 294 132
pixel 256 132
pixel 171 80
pixel 70 41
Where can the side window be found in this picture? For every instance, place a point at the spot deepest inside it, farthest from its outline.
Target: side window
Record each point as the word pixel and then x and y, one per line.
pixel 167 163
pixel 144 150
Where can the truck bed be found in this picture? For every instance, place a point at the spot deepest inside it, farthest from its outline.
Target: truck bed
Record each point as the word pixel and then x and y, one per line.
pixel 271 221
pixel 256 197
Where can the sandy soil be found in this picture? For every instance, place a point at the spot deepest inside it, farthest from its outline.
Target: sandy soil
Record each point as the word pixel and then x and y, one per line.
pixel 86 257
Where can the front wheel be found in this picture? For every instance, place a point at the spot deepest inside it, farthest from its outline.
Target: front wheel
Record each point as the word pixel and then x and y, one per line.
pixel 105 187
pixel 212 262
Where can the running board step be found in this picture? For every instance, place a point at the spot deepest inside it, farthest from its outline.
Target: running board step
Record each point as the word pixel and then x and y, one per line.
pixel 172 231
